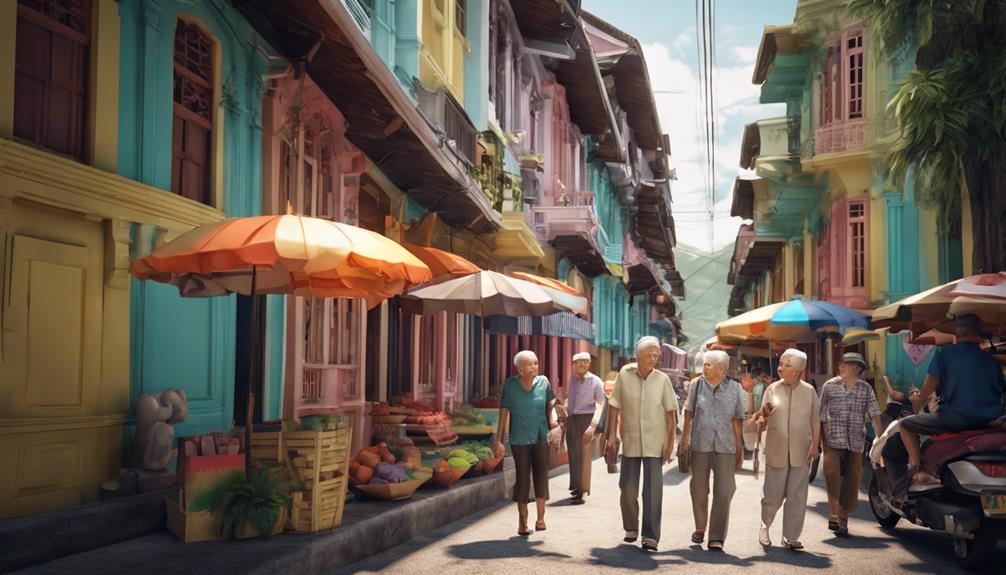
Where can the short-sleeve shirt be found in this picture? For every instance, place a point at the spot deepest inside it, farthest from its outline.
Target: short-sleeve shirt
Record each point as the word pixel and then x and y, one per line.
pixel 844 413
pixel 714 410
pixel 528 422
pixel 584 393
pixel 791 425
pixel 971 382
pixel 644 404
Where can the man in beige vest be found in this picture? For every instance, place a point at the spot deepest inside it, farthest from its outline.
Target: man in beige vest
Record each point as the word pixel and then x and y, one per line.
pixel 790 410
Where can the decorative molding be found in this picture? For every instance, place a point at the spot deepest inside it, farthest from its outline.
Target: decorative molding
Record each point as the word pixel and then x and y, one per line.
pixel 20 426
pixel 117 244
pixel 49 179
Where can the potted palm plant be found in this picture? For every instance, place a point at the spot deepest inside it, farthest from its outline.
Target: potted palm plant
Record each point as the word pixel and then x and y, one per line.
pixel 253 507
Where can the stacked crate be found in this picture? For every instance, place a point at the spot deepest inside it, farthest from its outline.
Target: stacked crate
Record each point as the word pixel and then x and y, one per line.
pixel 321 459
pixel 267 448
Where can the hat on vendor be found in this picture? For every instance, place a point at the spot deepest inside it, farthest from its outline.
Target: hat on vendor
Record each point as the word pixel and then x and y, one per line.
pixel 968 323
pixel 855 359
pixel 582 356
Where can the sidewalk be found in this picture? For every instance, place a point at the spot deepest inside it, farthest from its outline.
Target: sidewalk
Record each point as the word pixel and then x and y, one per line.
pixel 367 529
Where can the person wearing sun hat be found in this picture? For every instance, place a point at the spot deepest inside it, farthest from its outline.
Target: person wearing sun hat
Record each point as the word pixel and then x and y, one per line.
pixel 585 393
pixel 846 400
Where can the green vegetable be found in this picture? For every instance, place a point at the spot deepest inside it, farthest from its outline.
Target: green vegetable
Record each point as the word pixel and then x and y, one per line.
pixel 458 463
pixel 468 456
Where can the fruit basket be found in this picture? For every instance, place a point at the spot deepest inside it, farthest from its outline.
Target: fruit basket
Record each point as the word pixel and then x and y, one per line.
pixel 395 491
pixel 448 477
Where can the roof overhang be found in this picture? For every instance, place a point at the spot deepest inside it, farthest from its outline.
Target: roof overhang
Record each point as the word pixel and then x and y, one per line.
pixel 743 199
pixel 631 81
pixel 547 26
pixel 321 38
pixel 750 145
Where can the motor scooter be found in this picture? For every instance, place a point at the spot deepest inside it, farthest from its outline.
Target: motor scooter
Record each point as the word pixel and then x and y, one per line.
pixel 969 504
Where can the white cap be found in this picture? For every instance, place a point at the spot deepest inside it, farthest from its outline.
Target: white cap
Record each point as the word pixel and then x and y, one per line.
pixel 582 355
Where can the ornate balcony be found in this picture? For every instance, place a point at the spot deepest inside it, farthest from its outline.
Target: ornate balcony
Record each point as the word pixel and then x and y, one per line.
pixel 841 137
pixel 572 227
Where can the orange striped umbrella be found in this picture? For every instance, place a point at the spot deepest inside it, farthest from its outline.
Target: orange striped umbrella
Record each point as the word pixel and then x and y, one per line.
pixel 443 263
pixel 289 254
pixel 560 292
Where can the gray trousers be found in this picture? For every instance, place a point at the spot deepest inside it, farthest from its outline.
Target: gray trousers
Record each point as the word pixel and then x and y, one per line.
pixel 722 466
pixel 653 494
pixel 580 455
pixel 789 484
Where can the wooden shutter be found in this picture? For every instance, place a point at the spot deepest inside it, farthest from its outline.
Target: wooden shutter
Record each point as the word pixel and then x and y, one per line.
pixel 50 74
pixel 191 142
pixel 854 74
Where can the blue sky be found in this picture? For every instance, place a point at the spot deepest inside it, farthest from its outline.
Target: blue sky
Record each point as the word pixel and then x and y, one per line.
pixel 667 30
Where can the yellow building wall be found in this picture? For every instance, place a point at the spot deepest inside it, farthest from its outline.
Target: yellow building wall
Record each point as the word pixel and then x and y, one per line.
pixel 441 60
pixel 64 316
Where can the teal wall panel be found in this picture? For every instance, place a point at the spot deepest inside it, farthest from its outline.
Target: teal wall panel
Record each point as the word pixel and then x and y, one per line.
pixel 189 344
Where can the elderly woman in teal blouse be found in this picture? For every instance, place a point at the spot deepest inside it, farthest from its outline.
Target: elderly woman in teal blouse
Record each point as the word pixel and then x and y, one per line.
pixel 528 398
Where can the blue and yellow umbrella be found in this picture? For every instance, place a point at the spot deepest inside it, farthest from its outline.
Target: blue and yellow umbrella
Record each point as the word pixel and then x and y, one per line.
pixel 798 320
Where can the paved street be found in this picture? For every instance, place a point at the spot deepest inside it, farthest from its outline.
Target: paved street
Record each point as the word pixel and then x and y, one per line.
pixel 588 539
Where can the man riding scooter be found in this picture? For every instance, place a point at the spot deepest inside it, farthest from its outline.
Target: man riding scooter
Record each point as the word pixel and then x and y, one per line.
pixel 970 385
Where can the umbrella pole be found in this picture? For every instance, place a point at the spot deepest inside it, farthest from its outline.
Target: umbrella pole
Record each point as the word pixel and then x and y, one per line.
pixel 250 398
pixel 771 373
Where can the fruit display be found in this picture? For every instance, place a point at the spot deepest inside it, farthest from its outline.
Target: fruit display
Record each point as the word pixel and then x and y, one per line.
pixel 466 414
pixel 377 465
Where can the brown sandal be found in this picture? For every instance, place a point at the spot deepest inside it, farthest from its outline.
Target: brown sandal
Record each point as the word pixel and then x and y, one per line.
pixel 698 537
pixel 539 526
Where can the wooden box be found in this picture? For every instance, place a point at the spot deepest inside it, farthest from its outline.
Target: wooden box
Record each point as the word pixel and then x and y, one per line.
pixel 193 526
pixel 321 458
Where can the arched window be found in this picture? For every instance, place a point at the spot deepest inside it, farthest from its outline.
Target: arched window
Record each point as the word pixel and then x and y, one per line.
pixel 192 135
pixel 51 70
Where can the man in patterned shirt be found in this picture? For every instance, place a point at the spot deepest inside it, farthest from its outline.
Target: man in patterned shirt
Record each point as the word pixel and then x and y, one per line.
pixel 846 400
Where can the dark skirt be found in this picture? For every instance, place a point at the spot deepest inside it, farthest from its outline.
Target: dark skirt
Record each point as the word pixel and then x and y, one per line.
pixel 531 463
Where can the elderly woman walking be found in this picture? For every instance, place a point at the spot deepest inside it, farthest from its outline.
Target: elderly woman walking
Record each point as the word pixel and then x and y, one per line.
pixel 645 399
pixel 790 410
pixel 846 401
pixel 714 417
pixel 528 398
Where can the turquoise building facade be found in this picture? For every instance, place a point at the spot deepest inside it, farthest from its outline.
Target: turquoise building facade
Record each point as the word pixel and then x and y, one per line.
pixel 177 342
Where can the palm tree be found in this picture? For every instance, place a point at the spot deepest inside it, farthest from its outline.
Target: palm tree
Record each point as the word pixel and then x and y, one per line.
pixel 951 109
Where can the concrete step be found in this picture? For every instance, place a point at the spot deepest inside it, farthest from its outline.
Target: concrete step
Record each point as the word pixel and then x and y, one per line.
pixel 367 528
pixel 48 536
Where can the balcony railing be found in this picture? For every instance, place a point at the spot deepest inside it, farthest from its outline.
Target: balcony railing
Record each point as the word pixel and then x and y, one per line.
pixel 449 116
pixel 840 137
pixel 574 214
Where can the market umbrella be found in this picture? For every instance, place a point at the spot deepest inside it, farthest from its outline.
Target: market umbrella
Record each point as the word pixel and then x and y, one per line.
pixel 992 312
pixel 284 254
pixel 983 286
pixel 442 263
pixel 930 307
pixel 797 320
pixel 559 291
pixel 483 294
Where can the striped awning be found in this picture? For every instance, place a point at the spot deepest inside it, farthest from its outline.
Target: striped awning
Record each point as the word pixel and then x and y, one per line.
pixel 562 324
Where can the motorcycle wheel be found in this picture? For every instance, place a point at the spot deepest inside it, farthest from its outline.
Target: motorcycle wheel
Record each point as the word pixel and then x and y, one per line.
pixel 813 469
pixel 975 553
pixel 885 516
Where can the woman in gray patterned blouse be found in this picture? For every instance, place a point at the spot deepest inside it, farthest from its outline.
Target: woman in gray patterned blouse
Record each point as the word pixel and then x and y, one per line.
pixel 714 416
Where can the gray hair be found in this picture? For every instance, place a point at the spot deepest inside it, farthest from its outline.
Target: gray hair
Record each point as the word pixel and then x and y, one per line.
pixel 797 356
pixel 522 356
pixel 645 342
pixel 719 357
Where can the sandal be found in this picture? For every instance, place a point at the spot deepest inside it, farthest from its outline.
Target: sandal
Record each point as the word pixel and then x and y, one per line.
pixel 698 536
pixel 715 546
pixel 539 525
pixel 833 523
pixel 630 536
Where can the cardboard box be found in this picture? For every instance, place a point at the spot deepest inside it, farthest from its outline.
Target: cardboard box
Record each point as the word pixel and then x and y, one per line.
pixel 193 526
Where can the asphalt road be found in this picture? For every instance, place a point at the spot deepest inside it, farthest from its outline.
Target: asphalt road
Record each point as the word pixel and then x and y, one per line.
pixel 588 539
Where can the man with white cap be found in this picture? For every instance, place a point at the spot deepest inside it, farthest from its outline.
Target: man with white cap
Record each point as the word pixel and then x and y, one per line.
pixel 584 394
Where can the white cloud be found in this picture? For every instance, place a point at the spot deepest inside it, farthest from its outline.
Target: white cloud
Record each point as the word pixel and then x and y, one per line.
pixel 679 106
pixel 744 54
pixel 684 39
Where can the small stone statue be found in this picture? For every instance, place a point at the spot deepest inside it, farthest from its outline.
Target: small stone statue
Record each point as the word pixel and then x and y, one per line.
pixel 156 414
pixel 153 444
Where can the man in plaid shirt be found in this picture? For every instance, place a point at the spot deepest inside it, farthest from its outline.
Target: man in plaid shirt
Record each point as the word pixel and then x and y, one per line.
pixel 846 401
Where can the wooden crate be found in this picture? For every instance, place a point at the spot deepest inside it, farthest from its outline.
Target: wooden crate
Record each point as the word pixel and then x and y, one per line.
pixel 193 526
pixel 321 458
pixel 268 447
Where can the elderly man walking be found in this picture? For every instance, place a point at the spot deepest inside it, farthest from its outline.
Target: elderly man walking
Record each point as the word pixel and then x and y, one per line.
pixel 846 401
pixel 584 394
pixel 790 410
pixel 645 399
pixel 714 416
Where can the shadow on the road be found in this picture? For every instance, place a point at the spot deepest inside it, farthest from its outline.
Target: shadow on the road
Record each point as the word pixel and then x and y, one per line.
pixel 858 542
pixel 675 477
pixel 631 557
pixel 805 559
pixel 515 547
pixel 696 554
